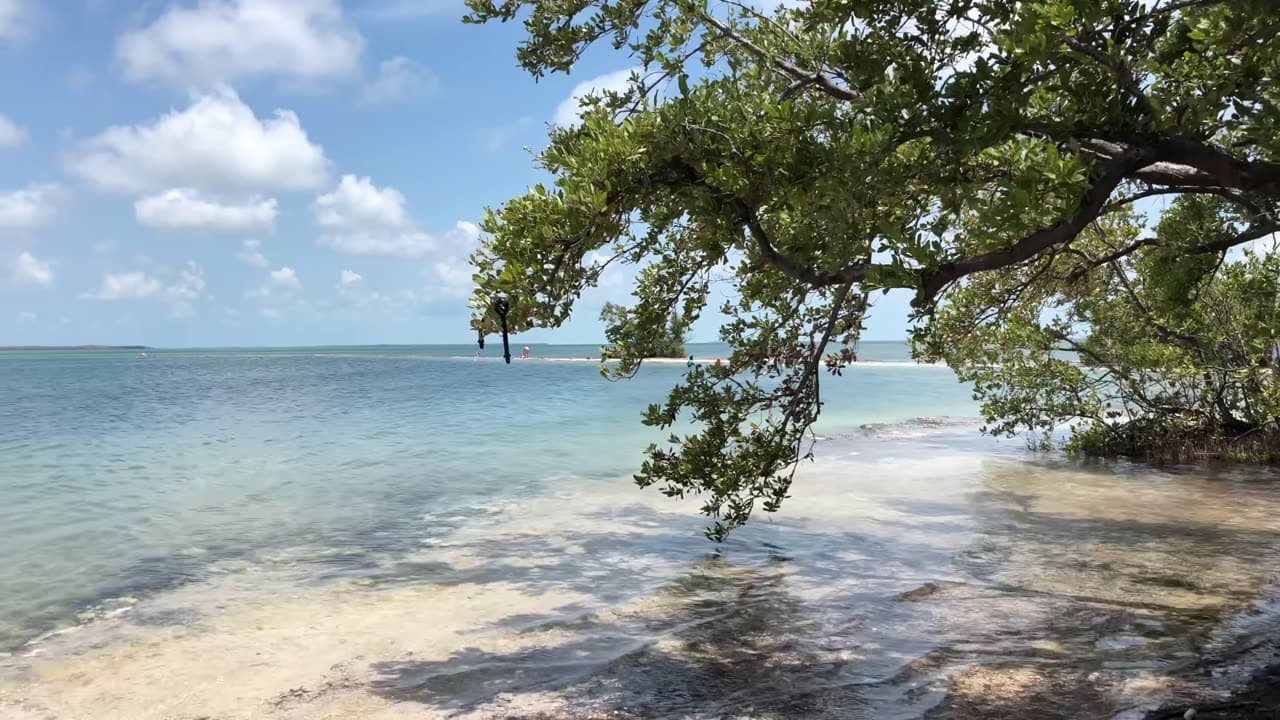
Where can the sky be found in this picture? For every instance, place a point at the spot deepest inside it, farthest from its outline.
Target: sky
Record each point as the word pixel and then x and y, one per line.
pixel 201 173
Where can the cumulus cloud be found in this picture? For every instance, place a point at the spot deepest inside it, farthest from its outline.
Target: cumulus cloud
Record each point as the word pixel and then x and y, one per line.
pixel 286 278
pixel 10 134
pixel 448 273
pixel 33 205
pixel 363 219
pixel 188 209
pixel 399 79
pixel 569 112
pixel 251 254
pixel 29 271
pixel 216 145
pixel 352 290
pixel 134 285
pixel 179 295
pixel 350 279
pixel 220 41
pixel 357 204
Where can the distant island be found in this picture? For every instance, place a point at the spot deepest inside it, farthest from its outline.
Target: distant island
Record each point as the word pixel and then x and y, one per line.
pixel 48 348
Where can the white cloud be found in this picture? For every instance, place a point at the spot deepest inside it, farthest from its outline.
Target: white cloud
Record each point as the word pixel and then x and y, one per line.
pixel 185 290
pixel 15 17
pixel 450 277
pixel 134 285
pixel 26 318
pixel 215 145
pixel 251 254
pixel 30 271
pixel 353 292
pixel 187 209
pixel 180 295
pixel 226 40
pixel 10 134
pixel 270 313
pixel 30 206
pixel 367 220
pixel 569 112
pixel 349 279
pixel 357 204
pixel 399 79
pixel 285 277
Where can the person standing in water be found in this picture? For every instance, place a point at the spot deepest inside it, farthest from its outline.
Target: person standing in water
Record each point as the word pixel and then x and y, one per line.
pixel 524 355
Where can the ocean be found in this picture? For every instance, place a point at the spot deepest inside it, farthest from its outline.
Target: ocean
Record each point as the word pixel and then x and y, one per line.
pixel 420 532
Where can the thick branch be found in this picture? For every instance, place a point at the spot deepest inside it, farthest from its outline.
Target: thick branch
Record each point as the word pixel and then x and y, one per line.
pixel 1187 162
pixel 1109 176
pixel 1170 160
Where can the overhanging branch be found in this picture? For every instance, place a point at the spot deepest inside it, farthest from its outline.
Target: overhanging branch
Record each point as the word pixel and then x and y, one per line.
pixel 1108 177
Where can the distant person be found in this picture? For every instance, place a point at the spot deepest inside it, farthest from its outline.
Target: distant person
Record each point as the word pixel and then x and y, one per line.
pixel 477 355
pixel 690 363
pixel 524 355
pixel 718 363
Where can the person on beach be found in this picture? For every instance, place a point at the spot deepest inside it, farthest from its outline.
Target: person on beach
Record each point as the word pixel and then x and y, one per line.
pixel 718 362
pixel 690 363
pixel 524 355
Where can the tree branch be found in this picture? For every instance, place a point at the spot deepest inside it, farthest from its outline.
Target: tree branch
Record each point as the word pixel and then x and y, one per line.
pixel 1249 234
pixel 1232 195
pixel 796 73
pixel 1177 161
pixel 1124 77
pixel 1108 177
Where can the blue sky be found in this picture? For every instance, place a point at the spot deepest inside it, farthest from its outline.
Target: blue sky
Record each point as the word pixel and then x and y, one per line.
pixel 267 172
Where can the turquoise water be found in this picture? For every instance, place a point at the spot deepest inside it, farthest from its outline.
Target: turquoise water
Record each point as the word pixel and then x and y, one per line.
pixel 123 475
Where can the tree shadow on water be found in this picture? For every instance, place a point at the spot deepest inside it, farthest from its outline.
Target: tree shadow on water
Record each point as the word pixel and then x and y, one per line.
pixel 722 640
pixel 1031 613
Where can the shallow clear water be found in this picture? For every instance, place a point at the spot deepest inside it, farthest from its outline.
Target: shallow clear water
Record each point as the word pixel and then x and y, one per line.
pixel 393 532
pixel 121 474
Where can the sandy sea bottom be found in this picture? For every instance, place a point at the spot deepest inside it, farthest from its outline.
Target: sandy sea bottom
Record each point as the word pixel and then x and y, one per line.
pixel 911 575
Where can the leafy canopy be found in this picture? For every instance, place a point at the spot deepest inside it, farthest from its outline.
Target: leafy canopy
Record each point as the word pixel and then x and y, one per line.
pixel 1161 353
pixel 816 153
pixel 633 335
